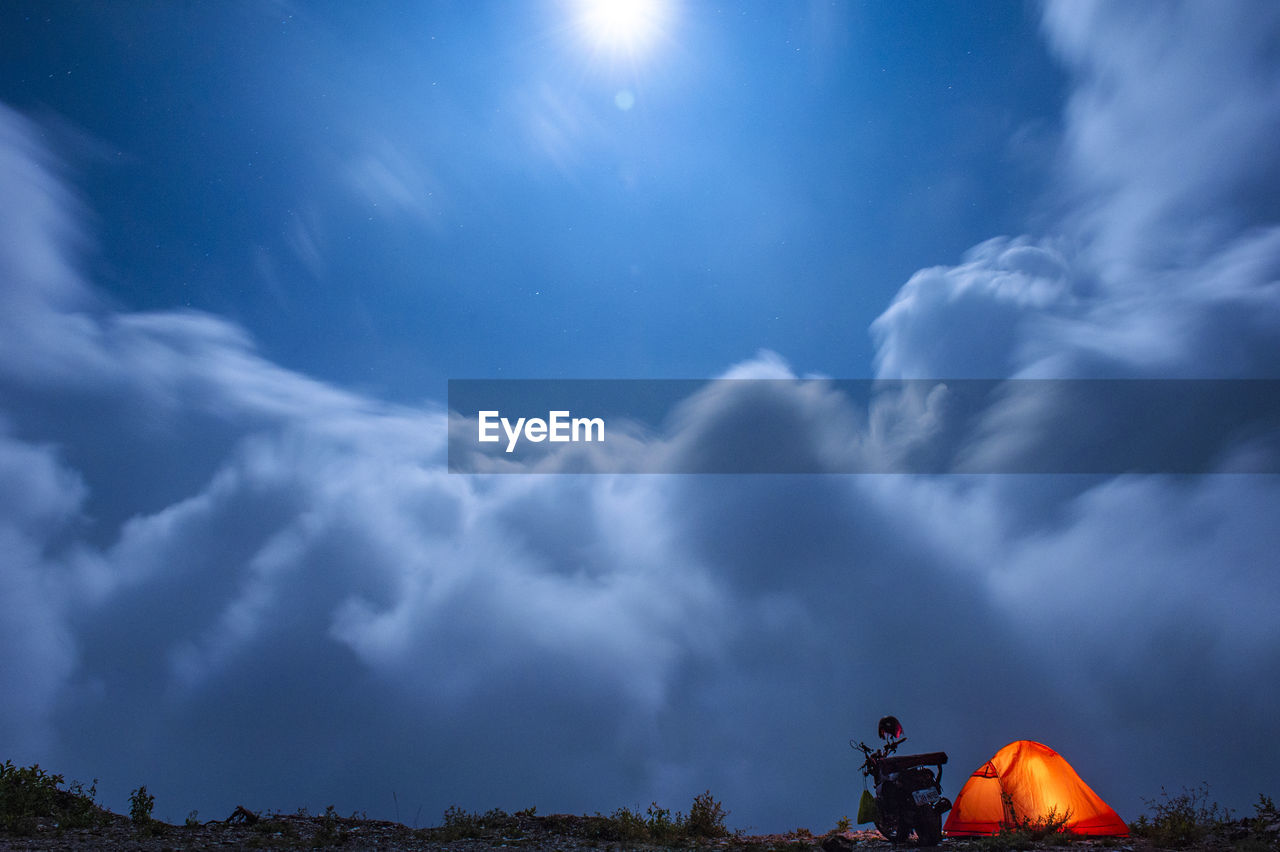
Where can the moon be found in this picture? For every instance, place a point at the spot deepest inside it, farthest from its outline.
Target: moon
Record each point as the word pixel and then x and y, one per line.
pixel 622 26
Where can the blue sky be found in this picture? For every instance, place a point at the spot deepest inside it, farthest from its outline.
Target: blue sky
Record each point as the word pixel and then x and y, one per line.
pixel 451 190
pixel 244 246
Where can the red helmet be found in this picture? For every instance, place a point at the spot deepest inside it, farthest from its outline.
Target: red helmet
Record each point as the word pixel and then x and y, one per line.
pixel 890 728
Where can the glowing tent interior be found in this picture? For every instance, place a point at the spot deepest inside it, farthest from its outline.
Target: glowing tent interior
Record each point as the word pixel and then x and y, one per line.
pixel 1027 780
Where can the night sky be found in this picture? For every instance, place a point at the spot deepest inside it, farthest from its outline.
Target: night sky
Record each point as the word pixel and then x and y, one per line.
pixel 244 245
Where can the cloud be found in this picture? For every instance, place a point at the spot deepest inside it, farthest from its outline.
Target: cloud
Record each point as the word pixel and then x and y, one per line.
pixel 39 248
pixel 236 583
pixel 1169 128
pixel 1143 596
pixel 39 503
pixel 276 564
pixel 384 176
pixel 1168 145
pixel 1169 257
pixel 974 320
pixel 1157 593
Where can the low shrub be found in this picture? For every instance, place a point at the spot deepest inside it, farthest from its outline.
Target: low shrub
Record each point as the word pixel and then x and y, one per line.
pixel 140 804
pixel 1181 820
pixel 626 824
pixel 1023 832
pixel 706 817
pixel 28 794
pixel 460 824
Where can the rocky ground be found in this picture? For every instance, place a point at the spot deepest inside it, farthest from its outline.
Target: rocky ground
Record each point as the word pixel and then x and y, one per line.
pixel 525 833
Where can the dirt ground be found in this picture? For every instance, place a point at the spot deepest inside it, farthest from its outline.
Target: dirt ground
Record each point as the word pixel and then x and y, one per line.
pixel 540 834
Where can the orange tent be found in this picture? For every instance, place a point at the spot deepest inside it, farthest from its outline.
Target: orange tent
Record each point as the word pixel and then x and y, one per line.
pixel 1025 780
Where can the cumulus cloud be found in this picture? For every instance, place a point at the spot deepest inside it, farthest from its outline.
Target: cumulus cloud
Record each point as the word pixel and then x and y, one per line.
pixel 236 583
pixel 1167 261
pixel 975 320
